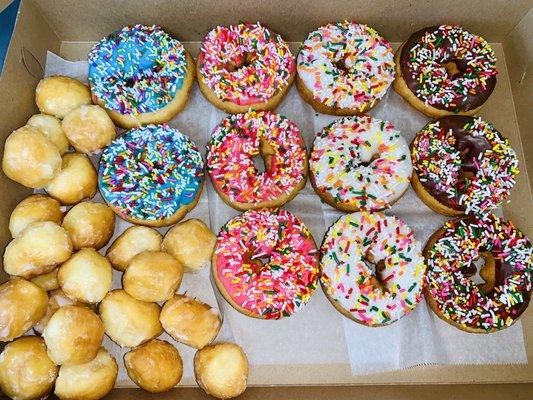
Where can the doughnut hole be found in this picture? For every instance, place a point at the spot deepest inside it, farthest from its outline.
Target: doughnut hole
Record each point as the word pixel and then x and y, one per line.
pixel 86 277
pixel 51 127
pixel 26 371
pixel 30 158
pixel 22 305
pixel 73 335
pixel 482 271
pixel 190 321
pixel 152 276
pixel 41 247
pixel 221 370
pixel 59 95
pixel 131 242
pixel 88 381
pixel 89 224
pixel 245 60
pixel 89 128
pixel 192 243
pixel 451 69
pixel 76 181
pixel 377 267
pixel 47 281
pixel 56 300
pixel 34 208
pixel 368 162
pixel 129 322
pixel 155 366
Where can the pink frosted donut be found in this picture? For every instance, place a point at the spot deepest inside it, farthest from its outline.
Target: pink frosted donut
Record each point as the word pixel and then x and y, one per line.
pixel 230 160
pixel 278 287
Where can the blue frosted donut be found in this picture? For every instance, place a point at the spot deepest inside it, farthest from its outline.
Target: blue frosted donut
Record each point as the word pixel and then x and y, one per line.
pixel 151 176
pixel 140 74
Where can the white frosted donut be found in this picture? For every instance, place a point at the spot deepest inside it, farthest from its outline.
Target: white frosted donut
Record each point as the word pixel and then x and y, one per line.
pixel 345 67
pixel 372 298
pixel 360 163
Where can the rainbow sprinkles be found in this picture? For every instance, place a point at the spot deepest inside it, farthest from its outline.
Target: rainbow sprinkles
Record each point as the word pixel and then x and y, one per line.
pixel 137 70
pixel 150 172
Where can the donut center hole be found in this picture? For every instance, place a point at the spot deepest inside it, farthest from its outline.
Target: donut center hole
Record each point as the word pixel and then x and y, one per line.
pixel 247 59
pixel 482 271
pixel 372 158
pixel 377 267
pixel 258 263
pixel 451 69
pixel 263 160
pixel 341 65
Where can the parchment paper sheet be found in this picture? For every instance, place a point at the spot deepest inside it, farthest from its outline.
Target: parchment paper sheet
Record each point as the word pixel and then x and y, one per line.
pixel 318 334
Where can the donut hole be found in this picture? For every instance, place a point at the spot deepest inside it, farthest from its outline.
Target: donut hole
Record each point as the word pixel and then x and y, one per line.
pixel 482 272
pixel 257 263
pixel 263 160
pixel 376 267
pixel 340 64
pixel 372 158
pixel 247 59
pixel 451 69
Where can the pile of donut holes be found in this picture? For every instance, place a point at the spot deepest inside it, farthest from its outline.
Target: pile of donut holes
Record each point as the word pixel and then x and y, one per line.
pixel 59 301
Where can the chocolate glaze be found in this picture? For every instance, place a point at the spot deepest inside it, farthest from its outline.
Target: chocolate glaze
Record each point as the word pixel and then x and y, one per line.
pixel 503 270
pixel 469 147
pixel 470 101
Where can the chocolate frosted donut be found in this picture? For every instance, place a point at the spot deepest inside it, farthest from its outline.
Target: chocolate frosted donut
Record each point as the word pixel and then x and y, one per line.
pixel 504 295
pixel 444 70
pixel 462 165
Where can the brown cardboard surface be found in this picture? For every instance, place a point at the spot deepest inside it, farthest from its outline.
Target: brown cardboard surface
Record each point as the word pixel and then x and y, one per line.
pixel 78 21
pixel 517 46
pixel 411 392
pixel 190 20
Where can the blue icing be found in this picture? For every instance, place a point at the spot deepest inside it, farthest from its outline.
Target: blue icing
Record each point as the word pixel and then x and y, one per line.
pixel 150 172
pixel 136 70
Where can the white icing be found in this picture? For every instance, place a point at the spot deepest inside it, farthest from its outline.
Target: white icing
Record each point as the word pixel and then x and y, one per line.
pixel 339 150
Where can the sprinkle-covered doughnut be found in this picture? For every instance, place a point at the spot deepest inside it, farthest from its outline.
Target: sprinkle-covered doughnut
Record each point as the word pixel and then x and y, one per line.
pixel 230 160
pixel 151 175
pixel 245 64
pixel 278 287
pixel 372 298
pixel 346 67
pixel 448 68
pixel 450 255
pixel 360 163
pixel 462 165
pixel 138 69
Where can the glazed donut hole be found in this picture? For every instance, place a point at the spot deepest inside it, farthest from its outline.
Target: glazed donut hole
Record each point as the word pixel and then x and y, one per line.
pixel 89 128
pixel 30 158
pixel 89 224
pixel 221 370
pixel 47 281
pixel 131 242
pixel 190 321
pixel 22 305
pixel 152 276
pixel 59 95
pixel 56 299
pixel 73 335
pixel 76 181
pixel 51 128
pixel 88 381
pixel 38 250
pixel 192 243
pixel 26 371
pixel 87 276
pixel 155 366
pixel 34 208
pixel 129 322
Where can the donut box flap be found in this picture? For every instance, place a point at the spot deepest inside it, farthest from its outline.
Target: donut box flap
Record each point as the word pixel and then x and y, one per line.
pixel 68 28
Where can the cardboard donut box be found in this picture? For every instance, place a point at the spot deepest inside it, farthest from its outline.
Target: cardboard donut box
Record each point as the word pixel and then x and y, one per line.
pixel 29 28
